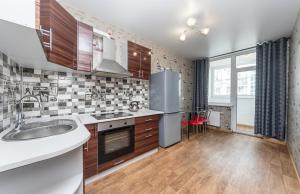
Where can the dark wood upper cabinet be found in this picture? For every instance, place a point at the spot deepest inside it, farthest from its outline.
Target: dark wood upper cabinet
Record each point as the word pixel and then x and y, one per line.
pixel 85 47
pixel 139 61
pixel 62 39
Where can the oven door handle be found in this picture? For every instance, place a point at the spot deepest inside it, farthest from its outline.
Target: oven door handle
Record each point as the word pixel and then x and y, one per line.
pixel 119 162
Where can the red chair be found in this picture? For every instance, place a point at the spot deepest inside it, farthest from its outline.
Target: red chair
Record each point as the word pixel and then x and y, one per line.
pixel 197 122
pixel 205 119
pixel 185 124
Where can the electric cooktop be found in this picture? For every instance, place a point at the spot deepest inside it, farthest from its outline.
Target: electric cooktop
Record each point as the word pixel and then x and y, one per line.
pixel 111 115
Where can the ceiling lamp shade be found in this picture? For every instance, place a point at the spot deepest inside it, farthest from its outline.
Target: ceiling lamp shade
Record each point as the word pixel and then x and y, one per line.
pixel 204 31
pixel 191 22
pixel 182 37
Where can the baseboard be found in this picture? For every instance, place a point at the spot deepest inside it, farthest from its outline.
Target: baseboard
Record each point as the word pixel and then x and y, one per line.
pixel 243 125
pixel 294 164
pixel 220 129
pixel 272 140
pixel 116 168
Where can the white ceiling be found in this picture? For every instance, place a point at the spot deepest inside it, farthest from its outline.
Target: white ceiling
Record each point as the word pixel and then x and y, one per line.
pixel 234 24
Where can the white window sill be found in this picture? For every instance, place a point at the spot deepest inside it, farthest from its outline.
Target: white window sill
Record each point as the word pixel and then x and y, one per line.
pixel 220 104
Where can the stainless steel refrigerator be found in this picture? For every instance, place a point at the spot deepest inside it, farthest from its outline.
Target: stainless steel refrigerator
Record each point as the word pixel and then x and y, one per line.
pixel 164 96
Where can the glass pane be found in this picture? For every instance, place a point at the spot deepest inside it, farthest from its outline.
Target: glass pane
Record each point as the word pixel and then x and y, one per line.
pixel 220 75
pixel 246 83
pixel 116 141
pixel 248 60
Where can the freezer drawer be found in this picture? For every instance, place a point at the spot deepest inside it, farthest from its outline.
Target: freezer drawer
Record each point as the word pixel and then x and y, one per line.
pixel 169 129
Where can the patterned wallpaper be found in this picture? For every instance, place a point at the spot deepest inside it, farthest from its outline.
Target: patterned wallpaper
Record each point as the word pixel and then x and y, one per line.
pixel 63 93
pixel 293 132
pixel 164 57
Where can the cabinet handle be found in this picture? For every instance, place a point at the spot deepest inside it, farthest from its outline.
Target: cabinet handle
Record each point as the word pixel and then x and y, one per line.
pixel 86 148
pixel 142 74
pixel 139 73
pixel 95 132
pixel 147 136
pixel 148 120
pixel 149 129
pixel 119 162
pixel 49 34
pixel 50 39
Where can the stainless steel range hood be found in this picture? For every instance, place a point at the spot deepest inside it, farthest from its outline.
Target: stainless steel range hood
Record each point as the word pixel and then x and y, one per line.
pixel 110 57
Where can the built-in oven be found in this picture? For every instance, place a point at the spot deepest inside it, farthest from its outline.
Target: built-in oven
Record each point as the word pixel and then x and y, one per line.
pixel 115 138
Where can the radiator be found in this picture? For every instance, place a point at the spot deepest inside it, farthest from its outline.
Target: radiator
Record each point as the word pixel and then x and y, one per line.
pixel 215 119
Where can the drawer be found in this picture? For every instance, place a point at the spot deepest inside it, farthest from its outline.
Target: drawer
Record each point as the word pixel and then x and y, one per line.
pixel 146 148
pixel 115 162
pixel 146 119
pixel 146 127
pixel 150 139
pixel 146 135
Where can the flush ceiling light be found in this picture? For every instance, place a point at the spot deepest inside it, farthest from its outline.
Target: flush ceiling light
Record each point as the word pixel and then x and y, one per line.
pixel 191 22
pixel 182 37
pixel 204 31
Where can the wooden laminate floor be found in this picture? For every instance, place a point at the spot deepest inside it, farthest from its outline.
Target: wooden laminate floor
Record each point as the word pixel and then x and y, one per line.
pixel 216 162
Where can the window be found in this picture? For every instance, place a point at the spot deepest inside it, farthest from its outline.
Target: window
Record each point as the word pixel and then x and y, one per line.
pixel 246 60
pixel 246 83
pixel 239 65
pixel 220 80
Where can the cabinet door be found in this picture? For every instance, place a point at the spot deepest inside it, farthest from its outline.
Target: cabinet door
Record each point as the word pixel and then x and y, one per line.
pixel 90 153
pixel 134 59
pixel 85 47
pixel 145 63
pixel 63 38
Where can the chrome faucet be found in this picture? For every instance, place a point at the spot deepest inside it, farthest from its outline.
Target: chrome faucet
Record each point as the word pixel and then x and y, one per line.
pixel 21 116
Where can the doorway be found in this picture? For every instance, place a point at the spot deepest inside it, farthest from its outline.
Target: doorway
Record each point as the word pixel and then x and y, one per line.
pixel 245 93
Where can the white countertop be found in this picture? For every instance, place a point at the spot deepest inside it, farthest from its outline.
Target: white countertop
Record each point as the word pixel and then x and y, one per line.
pixel 88 119
pixel 19 153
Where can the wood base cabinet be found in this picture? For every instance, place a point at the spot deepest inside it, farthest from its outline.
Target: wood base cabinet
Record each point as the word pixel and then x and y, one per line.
pixel 90 152
pixel 145 139
pixel 146 134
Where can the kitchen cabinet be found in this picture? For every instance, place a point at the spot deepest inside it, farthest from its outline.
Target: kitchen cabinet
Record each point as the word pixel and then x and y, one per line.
pixel 59 33
pixel 139 61
pixel 85 47
pixel 146 134
pixel 90 152
pixel 146 139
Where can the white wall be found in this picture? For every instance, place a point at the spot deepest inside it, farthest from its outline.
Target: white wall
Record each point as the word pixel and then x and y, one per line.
pixel 245 111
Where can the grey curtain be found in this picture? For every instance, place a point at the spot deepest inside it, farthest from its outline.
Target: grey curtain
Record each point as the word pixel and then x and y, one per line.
pixel 200 84
pixel 271 88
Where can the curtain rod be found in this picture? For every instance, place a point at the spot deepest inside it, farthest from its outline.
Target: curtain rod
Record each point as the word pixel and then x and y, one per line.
pixel 288 38
pixel 233 52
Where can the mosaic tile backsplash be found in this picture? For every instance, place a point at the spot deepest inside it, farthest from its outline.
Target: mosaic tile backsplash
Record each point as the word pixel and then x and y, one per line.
pixel 63 93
